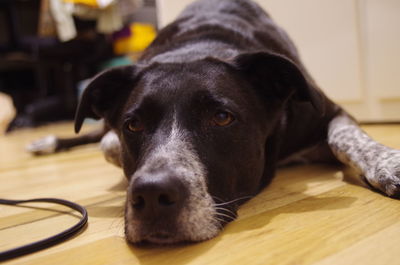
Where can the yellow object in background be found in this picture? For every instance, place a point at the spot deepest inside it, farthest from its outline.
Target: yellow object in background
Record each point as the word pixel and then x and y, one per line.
pixel 91 3
pixel 141 37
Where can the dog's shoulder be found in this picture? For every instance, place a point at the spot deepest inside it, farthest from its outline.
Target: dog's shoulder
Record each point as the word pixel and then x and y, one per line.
pixel 210 28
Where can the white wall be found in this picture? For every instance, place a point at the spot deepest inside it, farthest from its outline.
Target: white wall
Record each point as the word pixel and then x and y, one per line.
pixel 351 47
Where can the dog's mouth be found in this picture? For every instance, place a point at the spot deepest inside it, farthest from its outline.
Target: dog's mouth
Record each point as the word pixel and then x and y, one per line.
pixel 160 238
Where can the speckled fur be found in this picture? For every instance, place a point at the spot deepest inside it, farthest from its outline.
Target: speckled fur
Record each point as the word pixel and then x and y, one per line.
pixel 375 163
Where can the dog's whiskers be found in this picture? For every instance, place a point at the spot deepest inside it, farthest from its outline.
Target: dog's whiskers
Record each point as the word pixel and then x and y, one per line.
pixel 226 215
pixel 226 210
pixel 232 201
pixel 219 222
pixel 223 212
pixel 217 198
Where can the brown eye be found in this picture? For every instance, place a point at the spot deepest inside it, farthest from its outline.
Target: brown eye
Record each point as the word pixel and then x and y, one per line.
pixel 222 118
pixel 135 125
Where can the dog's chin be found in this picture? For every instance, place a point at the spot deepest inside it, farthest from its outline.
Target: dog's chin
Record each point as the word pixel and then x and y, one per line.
pixel 138 233
pixel 166 238
pixel 161 238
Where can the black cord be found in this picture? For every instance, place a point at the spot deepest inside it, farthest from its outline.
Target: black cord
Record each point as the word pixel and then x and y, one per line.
pixel 50 241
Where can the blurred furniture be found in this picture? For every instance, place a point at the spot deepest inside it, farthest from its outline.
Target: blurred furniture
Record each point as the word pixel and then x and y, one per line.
pixel 41 73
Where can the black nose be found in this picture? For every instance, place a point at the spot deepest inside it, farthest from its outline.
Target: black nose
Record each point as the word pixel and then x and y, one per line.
pixel 157 195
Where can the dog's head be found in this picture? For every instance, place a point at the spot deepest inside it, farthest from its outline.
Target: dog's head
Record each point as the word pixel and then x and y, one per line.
pixel 194 137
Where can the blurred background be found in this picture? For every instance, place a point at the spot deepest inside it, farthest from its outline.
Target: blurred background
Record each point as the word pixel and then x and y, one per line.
pixel 50 48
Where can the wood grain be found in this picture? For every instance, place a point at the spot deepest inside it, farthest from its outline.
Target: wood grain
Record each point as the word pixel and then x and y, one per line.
pixel 308 215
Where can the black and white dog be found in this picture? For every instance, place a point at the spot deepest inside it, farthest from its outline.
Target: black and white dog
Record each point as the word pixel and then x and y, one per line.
pixel 199 125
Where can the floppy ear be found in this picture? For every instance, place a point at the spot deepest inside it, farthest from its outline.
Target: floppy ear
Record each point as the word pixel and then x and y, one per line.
pixel 104 91
pixel 279 77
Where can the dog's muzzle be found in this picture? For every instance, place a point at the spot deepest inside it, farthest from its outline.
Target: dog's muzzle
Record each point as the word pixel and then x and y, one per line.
pixel 168 206
pixel 168 199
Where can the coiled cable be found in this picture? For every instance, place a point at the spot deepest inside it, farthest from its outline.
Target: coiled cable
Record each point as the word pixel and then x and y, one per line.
pixel 50 241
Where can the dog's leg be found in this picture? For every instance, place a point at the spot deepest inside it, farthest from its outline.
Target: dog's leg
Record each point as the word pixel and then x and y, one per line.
pixel 111 147
pixel 376 164
pixel 52 144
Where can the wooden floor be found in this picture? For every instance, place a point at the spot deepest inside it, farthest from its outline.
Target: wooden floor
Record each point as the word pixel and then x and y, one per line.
pixel 308 215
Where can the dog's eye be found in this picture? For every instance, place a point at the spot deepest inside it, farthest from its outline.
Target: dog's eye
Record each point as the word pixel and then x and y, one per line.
pixel 222 118
pixel 135 125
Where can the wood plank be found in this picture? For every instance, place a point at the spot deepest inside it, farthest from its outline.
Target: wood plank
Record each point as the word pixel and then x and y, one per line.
pixel 309 230
pixel 308 215
pixel 379 248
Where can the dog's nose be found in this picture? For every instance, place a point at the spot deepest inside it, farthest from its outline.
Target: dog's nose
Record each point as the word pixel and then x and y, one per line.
pixel 155 196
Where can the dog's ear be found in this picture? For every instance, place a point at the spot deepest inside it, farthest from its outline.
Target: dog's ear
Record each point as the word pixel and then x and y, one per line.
pixel 104 91
pixel 279 77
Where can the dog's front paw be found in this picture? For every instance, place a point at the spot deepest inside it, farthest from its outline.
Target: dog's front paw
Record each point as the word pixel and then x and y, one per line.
pixel 386 175
pixel 43 146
